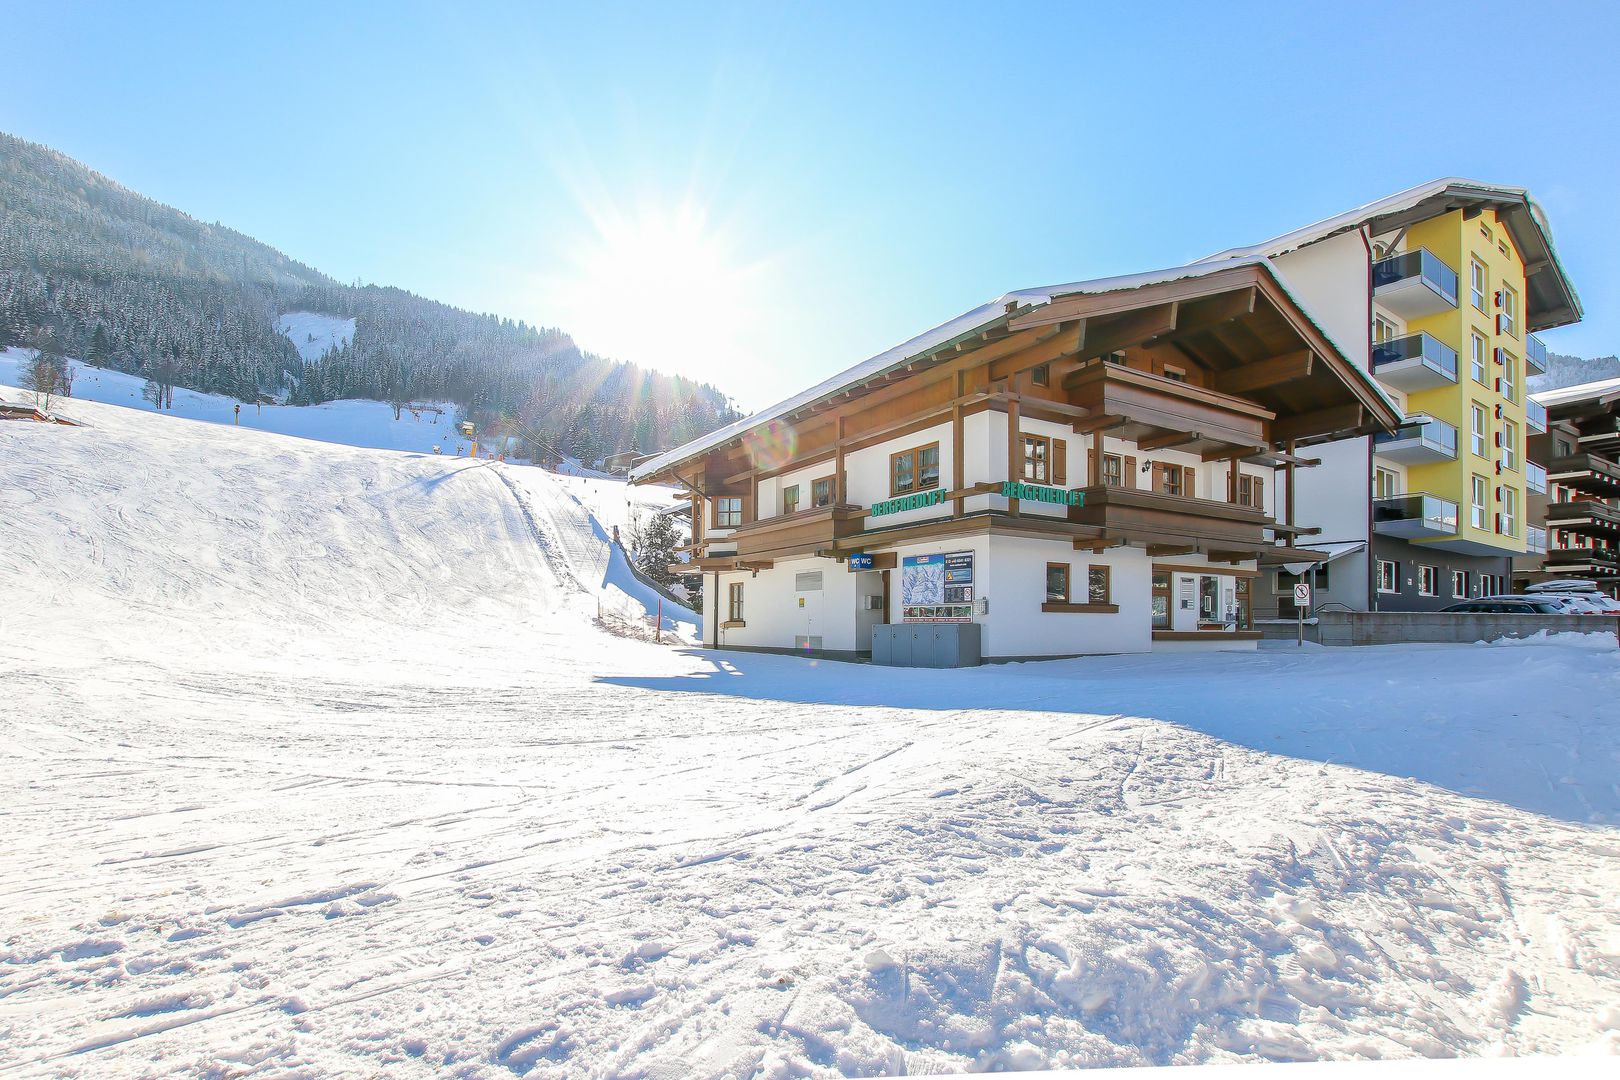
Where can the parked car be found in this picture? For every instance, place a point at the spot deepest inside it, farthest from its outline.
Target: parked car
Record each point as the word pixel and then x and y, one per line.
pixel 1582 591
pixel 1509 605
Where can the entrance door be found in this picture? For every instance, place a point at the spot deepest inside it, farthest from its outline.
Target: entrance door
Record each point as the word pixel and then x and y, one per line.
pixel 1184 613
pixel 807 587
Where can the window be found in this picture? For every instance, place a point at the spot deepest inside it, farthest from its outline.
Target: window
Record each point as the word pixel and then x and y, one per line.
pixel 1041 375
pixel 1476 503
pixel 1243 596
pixel 1477 283
pixel 1510 376
pixel 727 513
pixel 1117 358
pixel 1037 459
pixel 1175 374
pixel 1209 598
pixel 1510 511
pixel 1251 492
pixel 1562 448
pixel 1510 311
pixel 790 499
pixel 1389 576
pixel 1057 583
pixel 734 610
pixel 1428 580
pixel 1384 330
pixel 1459 584
pixel 821 491
pixel 1492 585
pixel 1510 445
pixel 914 470
pixel 1477 349
pixel 1169 479
pixel 1113 474
pixel 1476 429
pixel 1161 600
pixel 1501 245
pixel 1097 585
pixel 1386 482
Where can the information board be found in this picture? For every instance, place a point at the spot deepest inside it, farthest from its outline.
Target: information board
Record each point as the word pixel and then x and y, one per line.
pixel 937 588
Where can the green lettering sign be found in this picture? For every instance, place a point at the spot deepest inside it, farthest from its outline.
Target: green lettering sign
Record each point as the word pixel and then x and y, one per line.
pixel 908 502
pixel 1014 489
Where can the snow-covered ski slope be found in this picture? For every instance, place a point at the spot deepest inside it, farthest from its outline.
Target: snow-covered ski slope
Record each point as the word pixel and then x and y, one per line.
pixel 349 422
pixel 312 334
pixel 316 764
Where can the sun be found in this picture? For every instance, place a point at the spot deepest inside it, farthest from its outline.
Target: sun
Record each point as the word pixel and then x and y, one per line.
pixel 665 289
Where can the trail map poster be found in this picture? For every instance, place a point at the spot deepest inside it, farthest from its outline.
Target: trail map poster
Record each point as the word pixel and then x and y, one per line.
pixel 937 588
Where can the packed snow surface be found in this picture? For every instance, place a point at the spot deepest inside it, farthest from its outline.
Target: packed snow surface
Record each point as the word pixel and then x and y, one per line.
pixel 318 764
pixel 313 334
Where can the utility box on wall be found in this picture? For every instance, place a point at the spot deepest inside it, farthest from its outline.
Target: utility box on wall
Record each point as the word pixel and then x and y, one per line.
pixel 927 645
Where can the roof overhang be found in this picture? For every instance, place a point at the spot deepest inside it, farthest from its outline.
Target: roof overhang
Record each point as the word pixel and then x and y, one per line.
pixel 1552 300
pixel 1110 301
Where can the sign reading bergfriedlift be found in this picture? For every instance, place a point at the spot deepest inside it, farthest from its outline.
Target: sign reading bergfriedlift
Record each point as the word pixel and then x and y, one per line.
pixel 1013 489
pixel 908 502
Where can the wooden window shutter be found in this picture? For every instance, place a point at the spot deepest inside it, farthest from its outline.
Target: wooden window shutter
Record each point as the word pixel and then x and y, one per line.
pixel 1129 472
pixel 1231 487
pixel 1259 491
pixel 1060 463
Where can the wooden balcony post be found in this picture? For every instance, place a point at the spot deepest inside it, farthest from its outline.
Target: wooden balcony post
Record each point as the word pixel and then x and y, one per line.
pixel 957 464
pixel 1288 476
pixel 838 462
pixel 1014 456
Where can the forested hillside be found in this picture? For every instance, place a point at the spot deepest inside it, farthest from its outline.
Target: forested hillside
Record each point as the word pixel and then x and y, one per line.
pixel 93 270
pixel 1573 370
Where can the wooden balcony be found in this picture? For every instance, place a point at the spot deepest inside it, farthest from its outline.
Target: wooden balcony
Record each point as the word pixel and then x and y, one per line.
pixel 802 533
pixel 1198 419
pixel 1172 521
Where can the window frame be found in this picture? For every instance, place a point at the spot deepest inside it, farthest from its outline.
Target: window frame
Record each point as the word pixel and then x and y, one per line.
pixel 1394 577
pixel 1479 356
pixel 1118 462
pixel 1165 592
pixel 815 499
pixel 735 603
pixel 1478 425
pixel 1379 488
pixel 916 454
pixel 1428 580
pixel 1168 469
pixel 1479 282
pixel 1028 439
pixel 1510 376
pixel 1041 375
pixel 1063 570
pixel 790 506
pixel 1510 310
pixel 1510 446
pixel 718 519
pixel 1479 501
pixel 1509 513
pixel 1107 573
pixel 1459 580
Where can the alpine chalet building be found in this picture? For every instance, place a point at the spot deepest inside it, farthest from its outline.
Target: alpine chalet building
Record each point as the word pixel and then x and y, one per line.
pixel 1579 509
pixel 1101 467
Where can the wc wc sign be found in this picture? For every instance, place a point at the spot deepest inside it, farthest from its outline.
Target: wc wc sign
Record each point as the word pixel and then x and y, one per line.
pixel 860 562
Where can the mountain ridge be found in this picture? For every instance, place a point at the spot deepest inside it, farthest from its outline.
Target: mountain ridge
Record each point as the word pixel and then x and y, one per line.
pixel 91 268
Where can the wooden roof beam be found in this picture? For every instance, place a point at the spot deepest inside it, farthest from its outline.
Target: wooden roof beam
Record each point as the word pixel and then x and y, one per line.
pixel 1101 422
pixel 1128 330
pixel 1196 318
pixel 1169 440
pixel 1266 373
pixel 1339 418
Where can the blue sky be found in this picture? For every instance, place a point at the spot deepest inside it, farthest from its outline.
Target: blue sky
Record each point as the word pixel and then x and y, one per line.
pixel 761 195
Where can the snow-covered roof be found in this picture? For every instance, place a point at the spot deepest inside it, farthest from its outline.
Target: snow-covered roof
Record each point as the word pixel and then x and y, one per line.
pixel 971 322
pixel 1565 394
pixel 1411 199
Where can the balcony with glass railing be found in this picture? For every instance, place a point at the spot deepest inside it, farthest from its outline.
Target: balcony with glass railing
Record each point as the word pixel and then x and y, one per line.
pixel 1535 540
pixel 1535 477
pixel 1415 284
pixel 1535 415
pixel 1415 362
pixel 1535 355
pixel 1415 516
pixel 1419 441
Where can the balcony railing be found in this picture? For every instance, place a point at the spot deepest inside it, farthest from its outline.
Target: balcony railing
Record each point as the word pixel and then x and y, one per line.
pixel 1415 362
pixel 1418 441
pixel 1535 355
pixel 1587 517
pixel 1535 415
pixel 1535 540
pixel 1535 478
pixel 1414 516
pixel 1415 283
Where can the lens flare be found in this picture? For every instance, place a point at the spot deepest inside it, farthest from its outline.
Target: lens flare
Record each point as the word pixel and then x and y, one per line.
pixel 772 446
